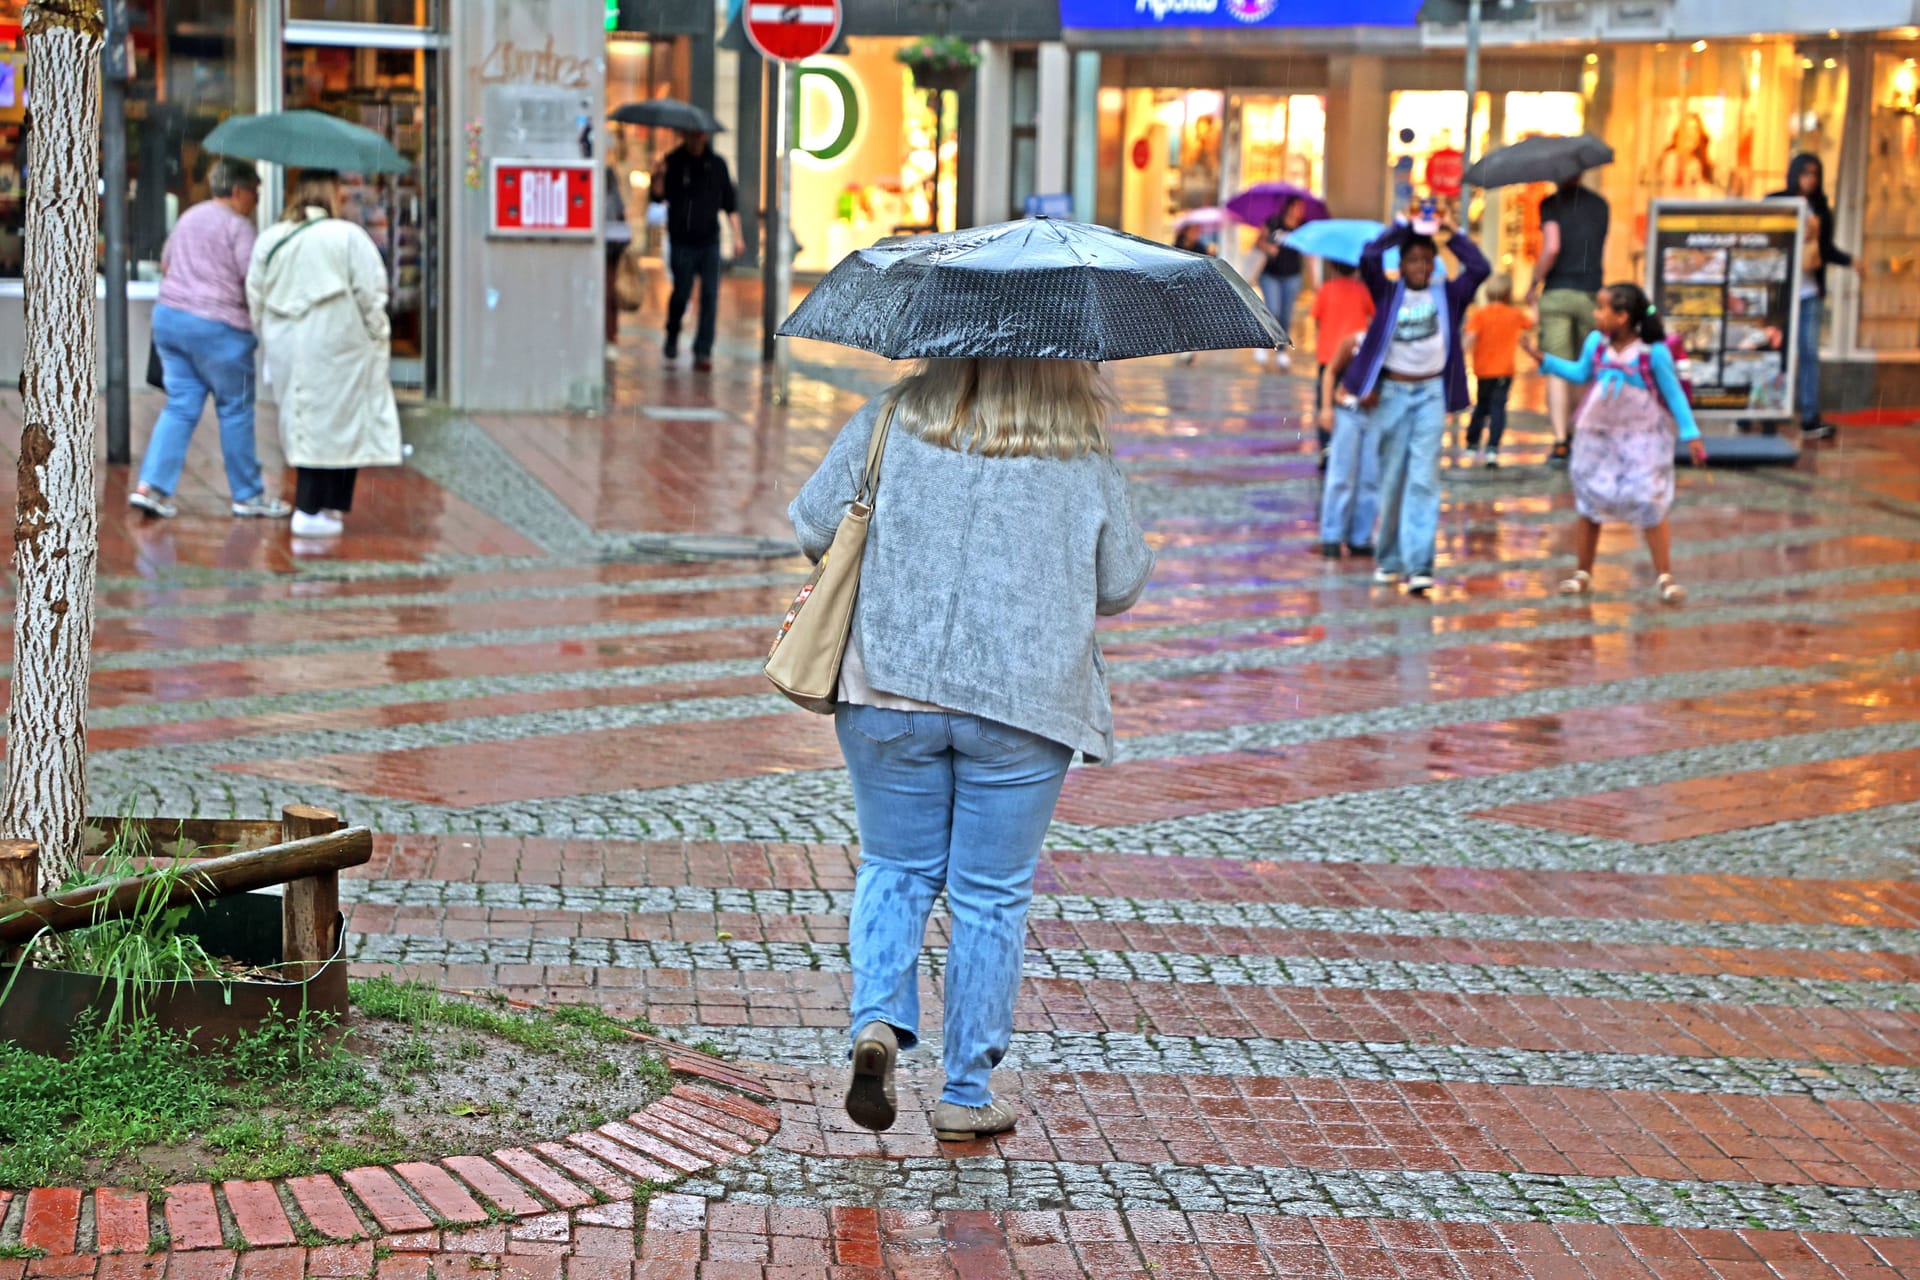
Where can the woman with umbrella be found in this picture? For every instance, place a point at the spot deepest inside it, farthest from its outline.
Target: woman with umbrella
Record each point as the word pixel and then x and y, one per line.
pixel 1001 531
pixel 317 289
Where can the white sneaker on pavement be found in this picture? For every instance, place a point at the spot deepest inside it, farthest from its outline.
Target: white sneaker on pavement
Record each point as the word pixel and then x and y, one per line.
pixel 153 502
pixel 262 507
pixel 317 525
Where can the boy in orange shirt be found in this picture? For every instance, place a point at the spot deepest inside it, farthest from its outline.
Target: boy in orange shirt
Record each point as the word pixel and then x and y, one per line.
pixel 1492 336
pixel 1341 308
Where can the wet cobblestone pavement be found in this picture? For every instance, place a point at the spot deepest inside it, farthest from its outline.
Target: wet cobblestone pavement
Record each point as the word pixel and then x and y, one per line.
pixel 1491 936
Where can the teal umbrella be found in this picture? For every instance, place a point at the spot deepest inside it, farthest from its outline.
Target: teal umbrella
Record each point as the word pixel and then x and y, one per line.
pixel 306 140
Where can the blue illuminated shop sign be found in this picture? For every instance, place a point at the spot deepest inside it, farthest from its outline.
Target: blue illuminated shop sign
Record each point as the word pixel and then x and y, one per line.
pixel 1113 14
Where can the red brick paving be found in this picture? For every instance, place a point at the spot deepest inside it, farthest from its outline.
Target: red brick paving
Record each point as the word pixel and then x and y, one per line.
pixel 626 472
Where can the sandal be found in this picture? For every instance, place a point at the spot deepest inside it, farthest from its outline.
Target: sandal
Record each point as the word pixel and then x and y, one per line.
pixel 1671 592
pixel 1580 584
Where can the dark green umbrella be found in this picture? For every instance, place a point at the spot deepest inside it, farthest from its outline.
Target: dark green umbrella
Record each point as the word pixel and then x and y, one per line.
pixel 667 113
pixel 306 140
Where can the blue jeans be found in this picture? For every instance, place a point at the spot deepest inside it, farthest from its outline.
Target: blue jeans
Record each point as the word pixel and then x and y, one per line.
pixel 691 262
pixel 1807 376
pixel 1412 420
pixel 1351 499
pixel 953 802
pixel 1280 293
pixel 1489 412
pixel 202 357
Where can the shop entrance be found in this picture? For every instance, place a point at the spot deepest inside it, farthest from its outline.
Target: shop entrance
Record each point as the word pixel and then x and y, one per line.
pixel 386 82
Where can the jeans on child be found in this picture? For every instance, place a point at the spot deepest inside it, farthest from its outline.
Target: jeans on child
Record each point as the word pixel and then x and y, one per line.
pixel 952 802
pixel 1489 412
pixel 1351 498
pixel 1412 421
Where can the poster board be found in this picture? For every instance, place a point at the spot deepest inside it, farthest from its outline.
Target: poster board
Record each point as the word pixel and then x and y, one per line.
pixel 1726 277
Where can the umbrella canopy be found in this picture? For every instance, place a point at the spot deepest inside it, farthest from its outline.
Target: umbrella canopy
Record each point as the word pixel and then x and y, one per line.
pixel 306 140
pixel 1265 200
pixel 1034 289
pixel 667 113
pixel 1533 160
pixel 1342 240
pixel 1208 217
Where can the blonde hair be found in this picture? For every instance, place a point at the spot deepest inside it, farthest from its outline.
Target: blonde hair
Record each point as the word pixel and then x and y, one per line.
pixel 1007 408
pixel 1500 288
pixel 319 187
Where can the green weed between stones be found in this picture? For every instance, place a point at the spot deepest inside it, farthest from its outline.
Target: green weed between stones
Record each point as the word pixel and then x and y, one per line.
pixel 415 1075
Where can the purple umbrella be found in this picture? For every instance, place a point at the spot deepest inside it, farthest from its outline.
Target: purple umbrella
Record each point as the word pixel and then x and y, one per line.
pixel 1263 200
pixel 1208 217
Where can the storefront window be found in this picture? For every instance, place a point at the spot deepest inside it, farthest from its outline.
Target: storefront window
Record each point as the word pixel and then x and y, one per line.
pixel 1172 157
pixel 387 90
pixel 1890 239
pixel 869 161
pixel 400 13
pixel 1419 123
pixel 193 67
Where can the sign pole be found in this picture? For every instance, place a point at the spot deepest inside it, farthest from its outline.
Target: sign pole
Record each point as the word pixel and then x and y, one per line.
pixel 783 247
pixel 772 212
pixel 784 32
pixel 1473 77
pixel 113 163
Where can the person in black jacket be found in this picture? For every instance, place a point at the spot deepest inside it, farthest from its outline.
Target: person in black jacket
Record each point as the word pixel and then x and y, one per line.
pixel 696 187
pixel 1804 176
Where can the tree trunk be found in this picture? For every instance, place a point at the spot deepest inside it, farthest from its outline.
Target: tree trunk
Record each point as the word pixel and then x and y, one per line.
pixel 55 525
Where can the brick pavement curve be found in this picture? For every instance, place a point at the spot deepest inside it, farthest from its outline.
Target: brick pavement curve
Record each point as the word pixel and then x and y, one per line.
pixel 1497 935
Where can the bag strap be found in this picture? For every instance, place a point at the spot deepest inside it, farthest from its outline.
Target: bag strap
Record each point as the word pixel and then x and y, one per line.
pixel 876 450
pixel 283 241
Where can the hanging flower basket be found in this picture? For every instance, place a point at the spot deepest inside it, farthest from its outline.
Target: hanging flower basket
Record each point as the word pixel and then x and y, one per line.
pixel 939 63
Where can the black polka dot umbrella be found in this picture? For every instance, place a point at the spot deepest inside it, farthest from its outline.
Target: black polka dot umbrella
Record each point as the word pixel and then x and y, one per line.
pixel 1034 289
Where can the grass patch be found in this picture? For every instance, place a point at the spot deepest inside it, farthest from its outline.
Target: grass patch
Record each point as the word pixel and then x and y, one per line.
pixel 415 1075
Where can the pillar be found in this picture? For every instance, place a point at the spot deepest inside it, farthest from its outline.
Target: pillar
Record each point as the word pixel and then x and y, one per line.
pixel 1357 181
pixel 991 126
pixel 1086 135
pixel 1053 120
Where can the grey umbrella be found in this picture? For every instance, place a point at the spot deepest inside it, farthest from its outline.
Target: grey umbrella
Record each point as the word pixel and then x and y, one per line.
pixel 306 140
pixel 1533 160
pixel 667 113
pixel 1034 289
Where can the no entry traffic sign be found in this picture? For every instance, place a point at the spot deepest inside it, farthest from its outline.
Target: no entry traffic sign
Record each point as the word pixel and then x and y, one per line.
pixel 791 32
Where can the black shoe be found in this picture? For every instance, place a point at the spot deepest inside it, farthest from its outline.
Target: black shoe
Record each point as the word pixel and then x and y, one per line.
pixel 1360 550
pixel 1320 464
pixel 1557 459
pixel 1818 429
pixel 1331 550
pixel 703 364
pixel 671 351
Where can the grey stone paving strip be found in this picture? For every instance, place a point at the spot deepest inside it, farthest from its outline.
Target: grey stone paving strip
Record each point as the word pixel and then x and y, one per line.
pixel 1158 967
pixel 461 457
pixel 771 1176
pixel 1127 1054
pixel 1612 931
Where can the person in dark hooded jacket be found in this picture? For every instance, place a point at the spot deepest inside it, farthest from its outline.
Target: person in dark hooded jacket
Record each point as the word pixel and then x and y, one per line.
pixel 1804 179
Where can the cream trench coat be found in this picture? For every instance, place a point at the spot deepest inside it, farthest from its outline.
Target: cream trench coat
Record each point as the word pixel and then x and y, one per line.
pixel 320 308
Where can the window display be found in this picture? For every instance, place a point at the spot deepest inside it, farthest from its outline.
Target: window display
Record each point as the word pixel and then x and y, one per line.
pixel 1890 240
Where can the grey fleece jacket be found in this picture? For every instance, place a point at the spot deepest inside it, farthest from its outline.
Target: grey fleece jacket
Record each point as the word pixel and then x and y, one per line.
pixel 983 576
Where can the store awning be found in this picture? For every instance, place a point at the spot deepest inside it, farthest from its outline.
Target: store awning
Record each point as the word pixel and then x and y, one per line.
pixel 1182 18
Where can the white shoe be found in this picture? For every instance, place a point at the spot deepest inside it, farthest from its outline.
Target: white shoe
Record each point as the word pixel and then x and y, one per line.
pixel 1419 584
pixel 318 525
pixel 1385 577
pixel 1259 355
pixel 1282 359
pixel 262 507
pixel 613 351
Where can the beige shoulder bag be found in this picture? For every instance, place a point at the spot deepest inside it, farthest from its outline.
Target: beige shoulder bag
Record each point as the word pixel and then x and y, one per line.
pixel 805 661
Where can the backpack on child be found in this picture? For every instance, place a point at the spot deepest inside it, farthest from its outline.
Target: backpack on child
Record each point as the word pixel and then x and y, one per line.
pixel 1682 366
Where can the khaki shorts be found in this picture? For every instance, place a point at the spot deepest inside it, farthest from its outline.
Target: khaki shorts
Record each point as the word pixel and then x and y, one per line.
pixel 1566 318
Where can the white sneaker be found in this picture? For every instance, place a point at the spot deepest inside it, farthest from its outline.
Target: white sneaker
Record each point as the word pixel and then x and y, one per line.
pixel 317 525
pixel 262 507
pixel 1419 584
pixel 1385 577
pixel 153 502
pixel 1259 355
pixel 613 351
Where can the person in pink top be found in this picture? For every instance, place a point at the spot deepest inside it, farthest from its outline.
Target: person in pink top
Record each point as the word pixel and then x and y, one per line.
pixel 204 335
